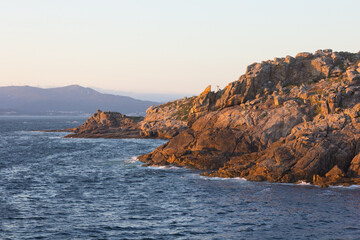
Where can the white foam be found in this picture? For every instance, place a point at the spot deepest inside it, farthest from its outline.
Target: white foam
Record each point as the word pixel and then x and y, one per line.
pixel 133 159
pixel 29 132
pixel 222 179
pixel 346 187
pixel 299 183
pixel 55 137
pixel 164 167
pixel 265 190
pixel 302 182
pixel 239 178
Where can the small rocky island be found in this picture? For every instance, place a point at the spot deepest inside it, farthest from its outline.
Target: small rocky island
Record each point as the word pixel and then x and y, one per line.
pixel 285 120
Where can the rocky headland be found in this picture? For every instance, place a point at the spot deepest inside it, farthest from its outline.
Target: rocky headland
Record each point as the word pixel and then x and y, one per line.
pixel 107 125
pixel 164 121
pixel 285 120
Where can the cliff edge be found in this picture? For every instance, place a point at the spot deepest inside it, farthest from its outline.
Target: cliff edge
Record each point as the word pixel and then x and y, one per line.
pixel 285 120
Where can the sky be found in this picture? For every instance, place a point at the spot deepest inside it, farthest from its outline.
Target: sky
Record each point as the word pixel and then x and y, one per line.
pixel 162 46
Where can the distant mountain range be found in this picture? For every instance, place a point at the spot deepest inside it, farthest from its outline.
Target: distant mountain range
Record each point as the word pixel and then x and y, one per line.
pixel 69 100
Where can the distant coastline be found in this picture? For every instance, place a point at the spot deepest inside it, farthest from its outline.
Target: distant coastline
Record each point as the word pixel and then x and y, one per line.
pixel 5 114
pixel 69 100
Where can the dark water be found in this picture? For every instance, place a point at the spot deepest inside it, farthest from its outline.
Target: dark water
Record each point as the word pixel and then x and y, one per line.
pixel 56 188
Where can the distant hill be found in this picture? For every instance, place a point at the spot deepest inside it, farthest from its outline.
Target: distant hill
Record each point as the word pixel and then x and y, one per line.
pixel 69 100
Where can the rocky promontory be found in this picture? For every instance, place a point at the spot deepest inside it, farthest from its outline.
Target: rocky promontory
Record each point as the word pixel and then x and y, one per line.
pixel 164 121
pixel 108 125
pixel 285 120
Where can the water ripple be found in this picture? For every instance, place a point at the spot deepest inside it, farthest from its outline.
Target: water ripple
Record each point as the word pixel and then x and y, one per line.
pixel 57 188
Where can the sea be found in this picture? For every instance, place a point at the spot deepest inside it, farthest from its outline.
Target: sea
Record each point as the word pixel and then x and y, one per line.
pixel 59 188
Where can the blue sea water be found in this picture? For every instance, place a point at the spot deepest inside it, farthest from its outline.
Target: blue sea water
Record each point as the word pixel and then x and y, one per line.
pixel 57 188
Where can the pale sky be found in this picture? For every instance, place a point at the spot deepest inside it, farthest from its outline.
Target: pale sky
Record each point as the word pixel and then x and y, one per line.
pixel 162 46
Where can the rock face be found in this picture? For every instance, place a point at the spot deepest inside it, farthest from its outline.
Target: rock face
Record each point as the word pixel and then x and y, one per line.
pixel 108 125
pixel 167 120
pixel 163 121
pixel 286 120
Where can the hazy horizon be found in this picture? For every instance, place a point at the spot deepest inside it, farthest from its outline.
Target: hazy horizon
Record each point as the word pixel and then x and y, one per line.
pixel 160 46
pixel 156 97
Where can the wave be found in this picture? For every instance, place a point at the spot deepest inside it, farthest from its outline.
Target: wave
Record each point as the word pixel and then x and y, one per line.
pixel 28 131
pixel 222 179
pixel 346 187
pixel 302 182
pixel 164 167
pixel 299 183
pixel 58 137
pixel 133 159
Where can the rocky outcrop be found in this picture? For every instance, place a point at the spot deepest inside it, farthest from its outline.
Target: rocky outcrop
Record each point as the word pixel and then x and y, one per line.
pixel 166 120
pixel 108 125
pixel 286 120
pixel 163 121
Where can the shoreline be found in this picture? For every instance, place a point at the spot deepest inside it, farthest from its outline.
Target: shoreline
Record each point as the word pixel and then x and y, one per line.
pixel 204 172
pixel 284 120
